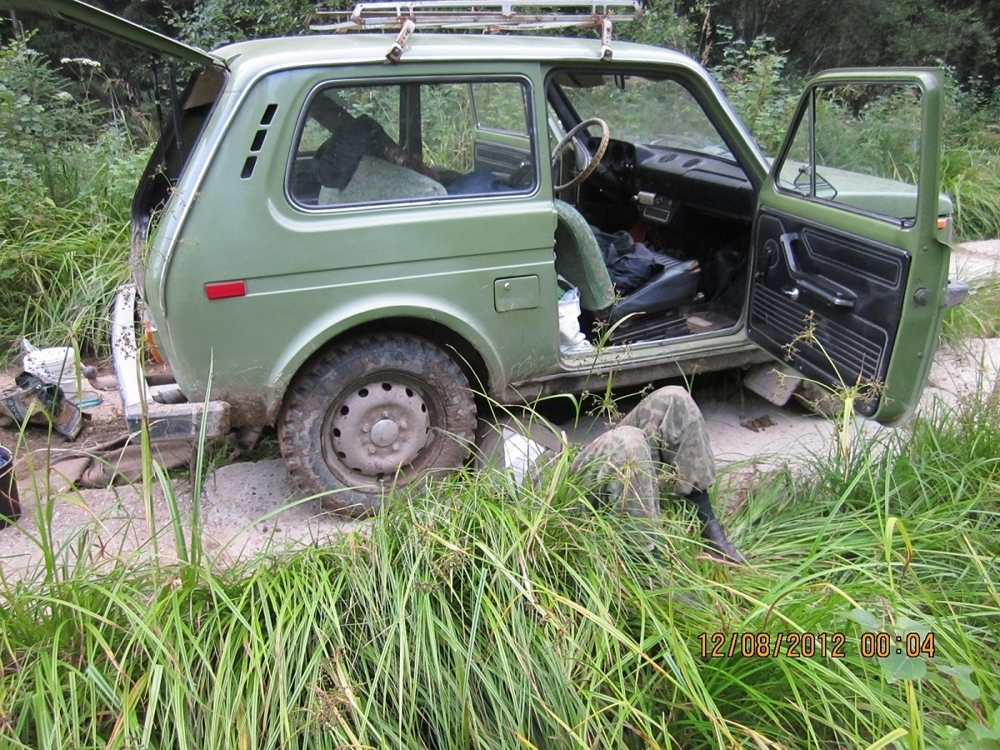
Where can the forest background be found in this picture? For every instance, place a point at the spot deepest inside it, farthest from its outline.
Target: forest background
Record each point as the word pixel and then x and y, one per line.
pixel 78 113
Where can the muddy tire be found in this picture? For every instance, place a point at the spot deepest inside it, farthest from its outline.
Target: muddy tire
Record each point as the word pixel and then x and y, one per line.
pixel 379 411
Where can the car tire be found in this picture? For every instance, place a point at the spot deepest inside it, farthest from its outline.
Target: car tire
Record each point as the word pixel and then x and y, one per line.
pixel 380 411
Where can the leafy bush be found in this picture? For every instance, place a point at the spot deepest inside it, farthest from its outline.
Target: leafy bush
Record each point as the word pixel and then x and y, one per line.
pixel 66 182
pixel 216 22
pixel 753 77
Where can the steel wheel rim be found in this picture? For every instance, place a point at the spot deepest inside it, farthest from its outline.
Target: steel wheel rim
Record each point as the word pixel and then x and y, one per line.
pixel 376 429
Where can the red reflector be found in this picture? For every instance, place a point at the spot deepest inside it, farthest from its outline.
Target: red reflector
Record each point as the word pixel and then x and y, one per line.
pixel 223 289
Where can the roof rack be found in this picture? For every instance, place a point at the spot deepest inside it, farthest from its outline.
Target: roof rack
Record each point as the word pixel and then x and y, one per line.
pixel 500 15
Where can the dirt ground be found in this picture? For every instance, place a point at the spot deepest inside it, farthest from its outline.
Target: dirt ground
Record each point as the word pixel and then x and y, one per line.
pixel 248 507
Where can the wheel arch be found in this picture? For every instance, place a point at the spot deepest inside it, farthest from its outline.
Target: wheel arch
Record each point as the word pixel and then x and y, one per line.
pixel 477 358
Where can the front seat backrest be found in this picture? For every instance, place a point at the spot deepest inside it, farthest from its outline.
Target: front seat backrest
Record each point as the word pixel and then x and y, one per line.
pixel 579 260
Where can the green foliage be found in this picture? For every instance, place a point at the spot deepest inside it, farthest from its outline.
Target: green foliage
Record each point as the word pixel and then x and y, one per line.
pixel 821 35
pixel 663 26
pixel 755 80
pixel 216 22
pixel 977 317
pixel 65 195
pixel 752 75
pixel 872 130
pixel 970 166
pixel 971 175
pixel 60 269
pixel 39 120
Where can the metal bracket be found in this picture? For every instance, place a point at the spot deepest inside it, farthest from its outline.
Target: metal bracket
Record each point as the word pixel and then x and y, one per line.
pixel 396 50
pixel 606 40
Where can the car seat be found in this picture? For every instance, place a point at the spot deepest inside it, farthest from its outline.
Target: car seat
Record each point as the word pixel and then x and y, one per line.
pixel 376 179
pixel 350 167
pixel 579 260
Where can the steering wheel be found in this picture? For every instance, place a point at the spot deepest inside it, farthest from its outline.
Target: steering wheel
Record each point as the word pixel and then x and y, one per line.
pixel 595 158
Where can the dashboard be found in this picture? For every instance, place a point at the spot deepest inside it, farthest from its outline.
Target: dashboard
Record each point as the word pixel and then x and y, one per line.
pixel 662 177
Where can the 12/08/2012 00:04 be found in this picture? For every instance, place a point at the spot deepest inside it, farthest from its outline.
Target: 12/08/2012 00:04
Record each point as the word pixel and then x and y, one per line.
pixel 810 645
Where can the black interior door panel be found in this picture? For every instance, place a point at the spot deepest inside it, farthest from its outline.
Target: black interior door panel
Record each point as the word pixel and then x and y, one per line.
pixel 827 302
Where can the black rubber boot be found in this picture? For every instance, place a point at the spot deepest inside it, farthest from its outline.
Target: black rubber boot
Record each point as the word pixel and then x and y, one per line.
pixel 718 543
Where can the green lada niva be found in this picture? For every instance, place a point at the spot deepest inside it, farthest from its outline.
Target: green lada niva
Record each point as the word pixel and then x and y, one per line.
pixel 362 238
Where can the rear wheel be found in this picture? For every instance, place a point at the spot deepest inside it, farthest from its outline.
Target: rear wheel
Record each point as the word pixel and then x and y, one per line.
pixel 376 412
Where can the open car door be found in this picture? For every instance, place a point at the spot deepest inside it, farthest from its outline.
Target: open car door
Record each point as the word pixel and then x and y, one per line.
pixel 850 259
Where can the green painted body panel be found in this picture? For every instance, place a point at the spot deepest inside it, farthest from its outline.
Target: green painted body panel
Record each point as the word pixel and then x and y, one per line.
pixel 313 275
pixel 435 266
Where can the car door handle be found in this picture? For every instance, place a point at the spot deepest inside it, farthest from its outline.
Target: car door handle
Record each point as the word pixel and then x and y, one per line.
pixel 830 292
pixel 792 292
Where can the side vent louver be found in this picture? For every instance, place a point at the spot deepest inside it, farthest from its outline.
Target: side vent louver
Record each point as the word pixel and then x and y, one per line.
pixel 258 141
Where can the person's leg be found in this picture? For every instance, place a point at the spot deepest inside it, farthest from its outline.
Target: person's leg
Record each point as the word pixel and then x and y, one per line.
pixel 675 428
pixel 678 437
pixel 618 470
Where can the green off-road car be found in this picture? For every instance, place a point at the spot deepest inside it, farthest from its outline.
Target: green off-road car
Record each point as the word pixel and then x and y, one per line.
pixel 361 237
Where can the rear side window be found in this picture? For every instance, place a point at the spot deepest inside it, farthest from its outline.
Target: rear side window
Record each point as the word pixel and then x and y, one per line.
pixel 412 141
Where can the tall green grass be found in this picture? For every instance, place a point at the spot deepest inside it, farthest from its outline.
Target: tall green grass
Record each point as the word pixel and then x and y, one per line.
pixel 970 174
pixel 971 161
pixel 977 317
pixel 60 262
pixel 66 182
pixel 474 615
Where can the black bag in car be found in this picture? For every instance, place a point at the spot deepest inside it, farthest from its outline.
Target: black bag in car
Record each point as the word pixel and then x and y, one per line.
pixel 630 264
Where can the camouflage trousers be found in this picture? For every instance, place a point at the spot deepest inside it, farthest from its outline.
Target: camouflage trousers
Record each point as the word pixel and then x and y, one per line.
pixel 662 441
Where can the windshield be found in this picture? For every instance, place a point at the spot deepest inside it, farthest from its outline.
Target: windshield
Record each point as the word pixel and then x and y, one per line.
pixel 657 113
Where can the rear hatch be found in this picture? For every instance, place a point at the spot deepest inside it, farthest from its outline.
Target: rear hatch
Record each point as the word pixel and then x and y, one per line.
pixel 181 133
pixel 185 118
pixel 116 27
pixel 185 115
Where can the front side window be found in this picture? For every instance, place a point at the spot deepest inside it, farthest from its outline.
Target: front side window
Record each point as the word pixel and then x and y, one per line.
pixel 858 145
pixel 411 141
pixel 500 107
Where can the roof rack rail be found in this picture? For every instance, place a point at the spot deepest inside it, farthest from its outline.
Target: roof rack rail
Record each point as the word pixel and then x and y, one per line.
pixel 500 15
pixel 495 16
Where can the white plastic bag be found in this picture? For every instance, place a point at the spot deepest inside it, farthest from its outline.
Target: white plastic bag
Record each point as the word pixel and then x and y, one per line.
pixel 520 453
pixel 571 338
pixel 57 365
